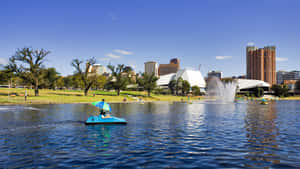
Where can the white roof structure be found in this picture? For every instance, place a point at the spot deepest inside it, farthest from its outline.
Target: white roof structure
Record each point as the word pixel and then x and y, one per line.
pixel 249 83
pixel 194 77
pixel 165 79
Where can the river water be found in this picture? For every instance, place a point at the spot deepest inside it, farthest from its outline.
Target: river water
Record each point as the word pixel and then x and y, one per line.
pixel 158 135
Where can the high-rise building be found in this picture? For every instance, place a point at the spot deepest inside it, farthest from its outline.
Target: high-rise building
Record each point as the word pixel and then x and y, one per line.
pixel 172 67
pixel 283 76
pixel 213 73
pixel 261 63
pixel 280 76
pixel 151 68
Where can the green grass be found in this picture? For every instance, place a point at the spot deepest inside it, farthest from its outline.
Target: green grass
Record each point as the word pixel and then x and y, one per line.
pixel 16 96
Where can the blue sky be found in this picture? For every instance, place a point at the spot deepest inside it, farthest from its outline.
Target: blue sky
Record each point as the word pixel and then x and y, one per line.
pixel 213 33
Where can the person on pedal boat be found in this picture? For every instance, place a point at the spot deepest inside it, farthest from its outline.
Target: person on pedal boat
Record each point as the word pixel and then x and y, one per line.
pixel 103 113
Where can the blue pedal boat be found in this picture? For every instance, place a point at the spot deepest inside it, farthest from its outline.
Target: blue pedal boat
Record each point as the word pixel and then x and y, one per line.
pixel 99 120
pixel 108 120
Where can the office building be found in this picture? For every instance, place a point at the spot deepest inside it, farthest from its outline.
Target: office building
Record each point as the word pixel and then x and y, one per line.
pixel 96 69
pixel 151 68
pixel 283 76
pixel 261 63
pixel 217 74
pixel 172 67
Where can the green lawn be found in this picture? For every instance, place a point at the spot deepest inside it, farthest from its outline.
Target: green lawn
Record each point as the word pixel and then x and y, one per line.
pixel 16 96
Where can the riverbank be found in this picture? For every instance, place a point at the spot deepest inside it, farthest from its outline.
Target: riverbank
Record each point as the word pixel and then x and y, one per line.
pixel 16 96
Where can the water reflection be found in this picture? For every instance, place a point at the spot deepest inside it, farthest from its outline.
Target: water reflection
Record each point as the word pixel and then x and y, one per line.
pixel 162 135
pixel 261 132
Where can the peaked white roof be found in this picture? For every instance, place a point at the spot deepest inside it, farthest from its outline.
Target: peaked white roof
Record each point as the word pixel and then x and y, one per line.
pixel 165 79
pixel 249 83
pixel 194 77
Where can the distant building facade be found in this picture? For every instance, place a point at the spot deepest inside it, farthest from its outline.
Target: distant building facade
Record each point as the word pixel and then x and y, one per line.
pixel 291 84
pixel 151 68
pixel 261 63
pixel 286 76
pixel 172 67
pixel 96 69
pixel 217 74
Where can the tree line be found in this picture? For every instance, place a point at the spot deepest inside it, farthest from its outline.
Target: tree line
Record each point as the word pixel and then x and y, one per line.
pixel 26 68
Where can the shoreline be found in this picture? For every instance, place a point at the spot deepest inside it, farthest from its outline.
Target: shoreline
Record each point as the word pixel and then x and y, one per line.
pixel 15 96
pixel 131 101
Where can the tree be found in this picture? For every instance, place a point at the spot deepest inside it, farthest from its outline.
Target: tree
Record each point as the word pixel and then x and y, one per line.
pixel 60 82
pixel 196 90
pixel 185 87
pixel 68 81
pixel 31 69
pixel 100 82
pixel 178 85
pixel 118 81
pixel 148 82
pixel 50 77
pixel 127 69
pixel 87 79
pixel 279 90
pixel 172 86
pixel 258 92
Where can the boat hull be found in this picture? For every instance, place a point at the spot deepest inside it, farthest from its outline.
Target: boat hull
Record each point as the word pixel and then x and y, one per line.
pixel 98 120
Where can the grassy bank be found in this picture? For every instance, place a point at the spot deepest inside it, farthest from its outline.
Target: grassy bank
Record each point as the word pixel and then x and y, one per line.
pixel 16 96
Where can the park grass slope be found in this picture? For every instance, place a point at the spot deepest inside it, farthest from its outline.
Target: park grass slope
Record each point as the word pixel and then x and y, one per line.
pixel 16 96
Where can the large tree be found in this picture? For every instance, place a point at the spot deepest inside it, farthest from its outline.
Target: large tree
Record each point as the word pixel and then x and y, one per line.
pixel 280 90
pixel 196 91
pixel 185 87
pixel 117 80
pixel 100 82
pixel 27 64
pixel 148 82
pixel 87 79
pixel 50 77
pixel 179 83
pixel 172 86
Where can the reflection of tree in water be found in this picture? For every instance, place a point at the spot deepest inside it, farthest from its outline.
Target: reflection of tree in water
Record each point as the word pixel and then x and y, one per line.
pixel 261 135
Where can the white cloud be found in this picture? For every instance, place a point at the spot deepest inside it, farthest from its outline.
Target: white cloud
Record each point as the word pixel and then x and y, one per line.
pixel 3 61
pixel 123 52
pixel 223 57
pixel 113 56
pixel 250 44
pixel 104 59
pixel 280 59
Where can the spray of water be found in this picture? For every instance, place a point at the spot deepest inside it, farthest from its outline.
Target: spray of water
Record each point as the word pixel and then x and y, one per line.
pixel 224 92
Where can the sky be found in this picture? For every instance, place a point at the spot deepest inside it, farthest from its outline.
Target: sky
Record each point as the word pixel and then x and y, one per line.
pixel 210 33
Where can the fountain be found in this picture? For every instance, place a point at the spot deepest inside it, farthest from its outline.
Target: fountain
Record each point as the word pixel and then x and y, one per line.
pixel 221 91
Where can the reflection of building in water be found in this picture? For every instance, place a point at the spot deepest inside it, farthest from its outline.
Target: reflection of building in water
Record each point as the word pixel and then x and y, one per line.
pixel 261 135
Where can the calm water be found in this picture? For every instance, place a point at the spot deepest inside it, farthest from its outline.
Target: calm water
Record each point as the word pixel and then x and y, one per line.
pixel 158 135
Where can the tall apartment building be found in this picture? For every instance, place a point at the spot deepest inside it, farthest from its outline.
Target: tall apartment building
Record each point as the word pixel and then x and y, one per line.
pixel 172 67
pixel 151 68
pixel 261 63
